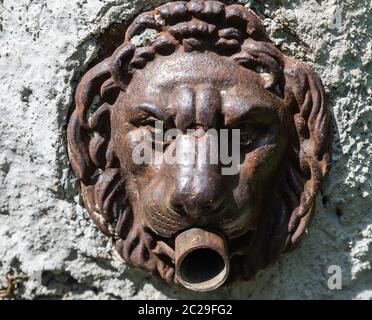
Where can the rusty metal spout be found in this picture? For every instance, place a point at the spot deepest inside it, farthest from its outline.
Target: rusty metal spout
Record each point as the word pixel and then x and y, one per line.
pixel 202 260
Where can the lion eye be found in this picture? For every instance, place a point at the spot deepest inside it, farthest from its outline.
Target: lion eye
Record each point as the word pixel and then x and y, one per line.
pixel 157 129
pixel 249 132
pixel 149 122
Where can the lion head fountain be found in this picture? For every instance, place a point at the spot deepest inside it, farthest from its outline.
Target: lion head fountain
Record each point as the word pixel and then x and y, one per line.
pixel 207 65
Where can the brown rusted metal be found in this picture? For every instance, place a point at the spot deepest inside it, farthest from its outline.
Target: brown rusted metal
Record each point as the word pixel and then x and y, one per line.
pixel 202 260
pixel 200 65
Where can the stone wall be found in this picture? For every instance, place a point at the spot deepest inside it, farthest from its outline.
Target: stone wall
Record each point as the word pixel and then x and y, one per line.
pixel 46 237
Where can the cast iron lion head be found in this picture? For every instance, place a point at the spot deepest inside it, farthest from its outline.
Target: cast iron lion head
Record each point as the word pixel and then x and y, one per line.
pixel 206 65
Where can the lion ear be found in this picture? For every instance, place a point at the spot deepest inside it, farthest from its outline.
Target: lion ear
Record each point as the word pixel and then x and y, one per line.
pixel 90 147
pixel 88 128
pixel 305 96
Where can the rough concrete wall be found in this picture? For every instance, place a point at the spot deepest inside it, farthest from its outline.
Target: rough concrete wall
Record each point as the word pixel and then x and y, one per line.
pixel 45 234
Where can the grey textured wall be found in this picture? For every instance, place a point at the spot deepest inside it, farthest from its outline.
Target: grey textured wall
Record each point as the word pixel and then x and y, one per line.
pixel 45 234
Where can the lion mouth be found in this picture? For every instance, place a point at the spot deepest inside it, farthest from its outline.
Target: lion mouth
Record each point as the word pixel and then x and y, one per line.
pixel 167 223
pixel 201 259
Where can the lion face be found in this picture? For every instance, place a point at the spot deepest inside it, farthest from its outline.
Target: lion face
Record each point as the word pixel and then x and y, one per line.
pixel 210 71
pixel 215 93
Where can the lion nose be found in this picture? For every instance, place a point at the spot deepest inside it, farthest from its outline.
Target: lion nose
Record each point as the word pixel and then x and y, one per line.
pixel 197 191
pixel 200 195
pixel 199 200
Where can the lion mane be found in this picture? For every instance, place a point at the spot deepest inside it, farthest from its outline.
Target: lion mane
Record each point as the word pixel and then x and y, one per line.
pixel 236 32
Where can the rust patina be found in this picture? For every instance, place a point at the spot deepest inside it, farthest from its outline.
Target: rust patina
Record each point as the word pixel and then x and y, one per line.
pixel 207 65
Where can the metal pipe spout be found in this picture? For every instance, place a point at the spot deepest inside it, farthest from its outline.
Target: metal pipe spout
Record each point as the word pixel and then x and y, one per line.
pixel 202 260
